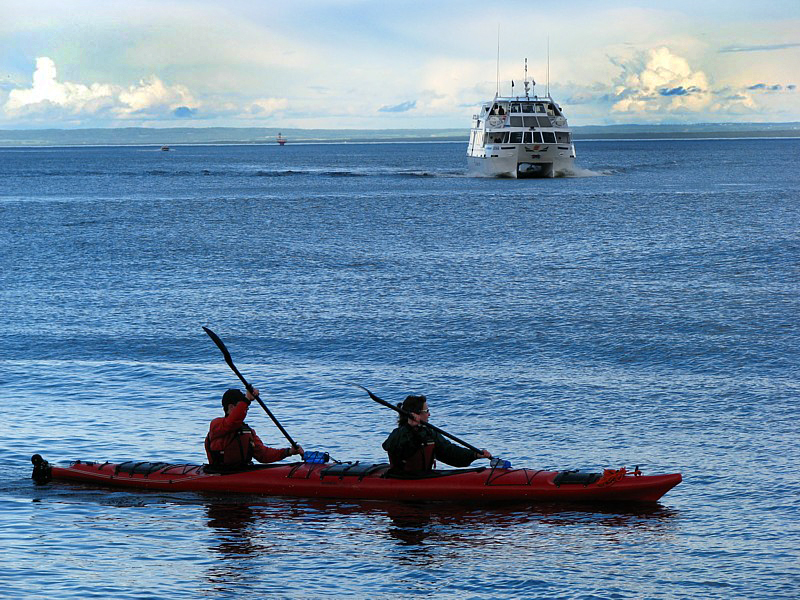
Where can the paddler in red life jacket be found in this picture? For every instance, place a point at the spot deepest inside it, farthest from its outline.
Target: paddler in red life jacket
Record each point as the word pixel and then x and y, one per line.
pixel 414 448
pixel 232 443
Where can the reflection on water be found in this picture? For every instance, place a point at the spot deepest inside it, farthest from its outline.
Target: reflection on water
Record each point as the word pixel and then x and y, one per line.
pixel 235 540
pixel 419 541
pixel 232 523
pixel 238 524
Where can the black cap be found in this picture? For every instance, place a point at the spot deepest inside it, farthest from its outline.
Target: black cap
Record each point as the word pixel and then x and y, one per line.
pixel 233 396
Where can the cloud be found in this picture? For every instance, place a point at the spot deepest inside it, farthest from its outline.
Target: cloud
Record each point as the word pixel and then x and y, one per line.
pixel 46 93
pixel 152 97
pixel 399 108
pixel 763 48
pixel 183 112
pixel 679 91
pixel 660 82
pixel 763 87
pixel 48 97
pixel 268 106
pixel 659 85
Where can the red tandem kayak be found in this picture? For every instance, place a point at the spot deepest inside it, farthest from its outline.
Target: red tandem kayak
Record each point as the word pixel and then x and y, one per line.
pixel 367 481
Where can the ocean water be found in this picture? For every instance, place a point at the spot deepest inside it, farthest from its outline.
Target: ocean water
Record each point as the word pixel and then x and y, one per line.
pixel 642 312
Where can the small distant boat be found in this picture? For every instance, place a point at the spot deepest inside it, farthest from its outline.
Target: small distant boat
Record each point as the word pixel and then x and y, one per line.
pixel 165 148
pixel 281 140
pixel 520 137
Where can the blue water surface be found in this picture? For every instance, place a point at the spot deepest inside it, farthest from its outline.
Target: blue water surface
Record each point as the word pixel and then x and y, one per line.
pixel 642 312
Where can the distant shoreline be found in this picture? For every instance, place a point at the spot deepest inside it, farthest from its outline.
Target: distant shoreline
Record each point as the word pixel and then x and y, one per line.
pixel 174 147
pixel 143 136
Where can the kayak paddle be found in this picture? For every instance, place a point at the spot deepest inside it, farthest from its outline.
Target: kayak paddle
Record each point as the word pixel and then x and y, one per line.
pixel 229 360
pixel 495 462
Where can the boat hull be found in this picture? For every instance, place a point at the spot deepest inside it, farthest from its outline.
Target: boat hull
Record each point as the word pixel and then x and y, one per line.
pixel 517 164
pixel 358 481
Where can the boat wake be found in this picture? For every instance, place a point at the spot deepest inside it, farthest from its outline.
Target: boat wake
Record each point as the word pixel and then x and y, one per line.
pixel 410 173
pixel 576 171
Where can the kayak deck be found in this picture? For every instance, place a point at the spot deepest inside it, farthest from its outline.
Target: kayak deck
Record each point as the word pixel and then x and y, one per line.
pixel 372 481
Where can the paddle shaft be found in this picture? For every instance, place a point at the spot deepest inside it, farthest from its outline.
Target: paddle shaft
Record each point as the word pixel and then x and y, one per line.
pixel 410 415
pixel 229 360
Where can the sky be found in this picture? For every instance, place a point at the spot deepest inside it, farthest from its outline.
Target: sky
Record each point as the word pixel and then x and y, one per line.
pixel 355 64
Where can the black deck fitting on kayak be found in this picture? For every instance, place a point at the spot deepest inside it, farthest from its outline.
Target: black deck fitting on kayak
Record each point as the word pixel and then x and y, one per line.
pixel 42 472
pixel 575 477
pixel 352 469
pixel 140 468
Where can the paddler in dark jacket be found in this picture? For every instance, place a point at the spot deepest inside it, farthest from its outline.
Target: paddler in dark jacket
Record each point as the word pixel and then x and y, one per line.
pixel 413 448
pixel 232 443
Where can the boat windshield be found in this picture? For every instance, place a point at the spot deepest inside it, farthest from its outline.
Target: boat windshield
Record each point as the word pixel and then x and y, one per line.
pixel 497 138
pixel 523 107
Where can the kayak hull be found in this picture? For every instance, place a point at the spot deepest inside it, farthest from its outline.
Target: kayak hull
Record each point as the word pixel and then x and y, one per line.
pixel 360 481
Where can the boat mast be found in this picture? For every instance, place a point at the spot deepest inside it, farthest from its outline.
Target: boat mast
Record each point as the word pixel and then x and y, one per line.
pixel 497 82
pixel 526 82
pixel 548 66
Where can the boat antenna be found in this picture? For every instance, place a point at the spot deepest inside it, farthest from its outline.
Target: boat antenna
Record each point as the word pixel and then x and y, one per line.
pixel 548 66
pixel 497 83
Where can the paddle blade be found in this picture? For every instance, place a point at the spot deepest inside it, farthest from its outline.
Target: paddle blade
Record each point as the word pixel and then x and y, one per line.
pixel 227 356
pixel 215 338
pixel 373 396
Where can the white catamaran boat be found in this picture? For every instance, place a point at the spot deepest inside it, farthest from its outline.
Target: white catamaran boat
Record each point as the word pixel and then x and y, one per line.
pixel 520 136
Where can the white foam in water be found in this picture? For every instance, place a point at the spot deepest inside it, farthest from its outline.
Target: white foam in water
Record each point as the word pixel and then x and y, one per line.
pixel 575 171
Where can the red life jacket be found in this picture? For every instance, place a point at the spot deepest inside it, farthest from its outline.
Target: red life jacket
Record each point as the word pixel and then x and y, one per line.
pixel 239 450
pixel 421 461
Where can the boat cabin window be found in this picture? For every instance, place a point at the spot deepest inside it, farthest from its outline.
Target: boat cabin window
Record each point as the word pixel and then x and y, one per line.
pixel 528 139
pixel 516 121
pixel 551 110
pixel 497 138
pixel 529 121
pixel 515 108
pixel 562 137
pixel 515 137
pixel 549 137
pixel 544 122
pixel 539 108
pixel 537 137
pixel 500 109
pixel 527 108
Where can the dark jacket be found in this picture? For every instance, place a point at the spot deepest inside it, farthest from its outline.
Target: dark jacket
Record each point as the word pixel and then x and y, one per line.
pixel 413 450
